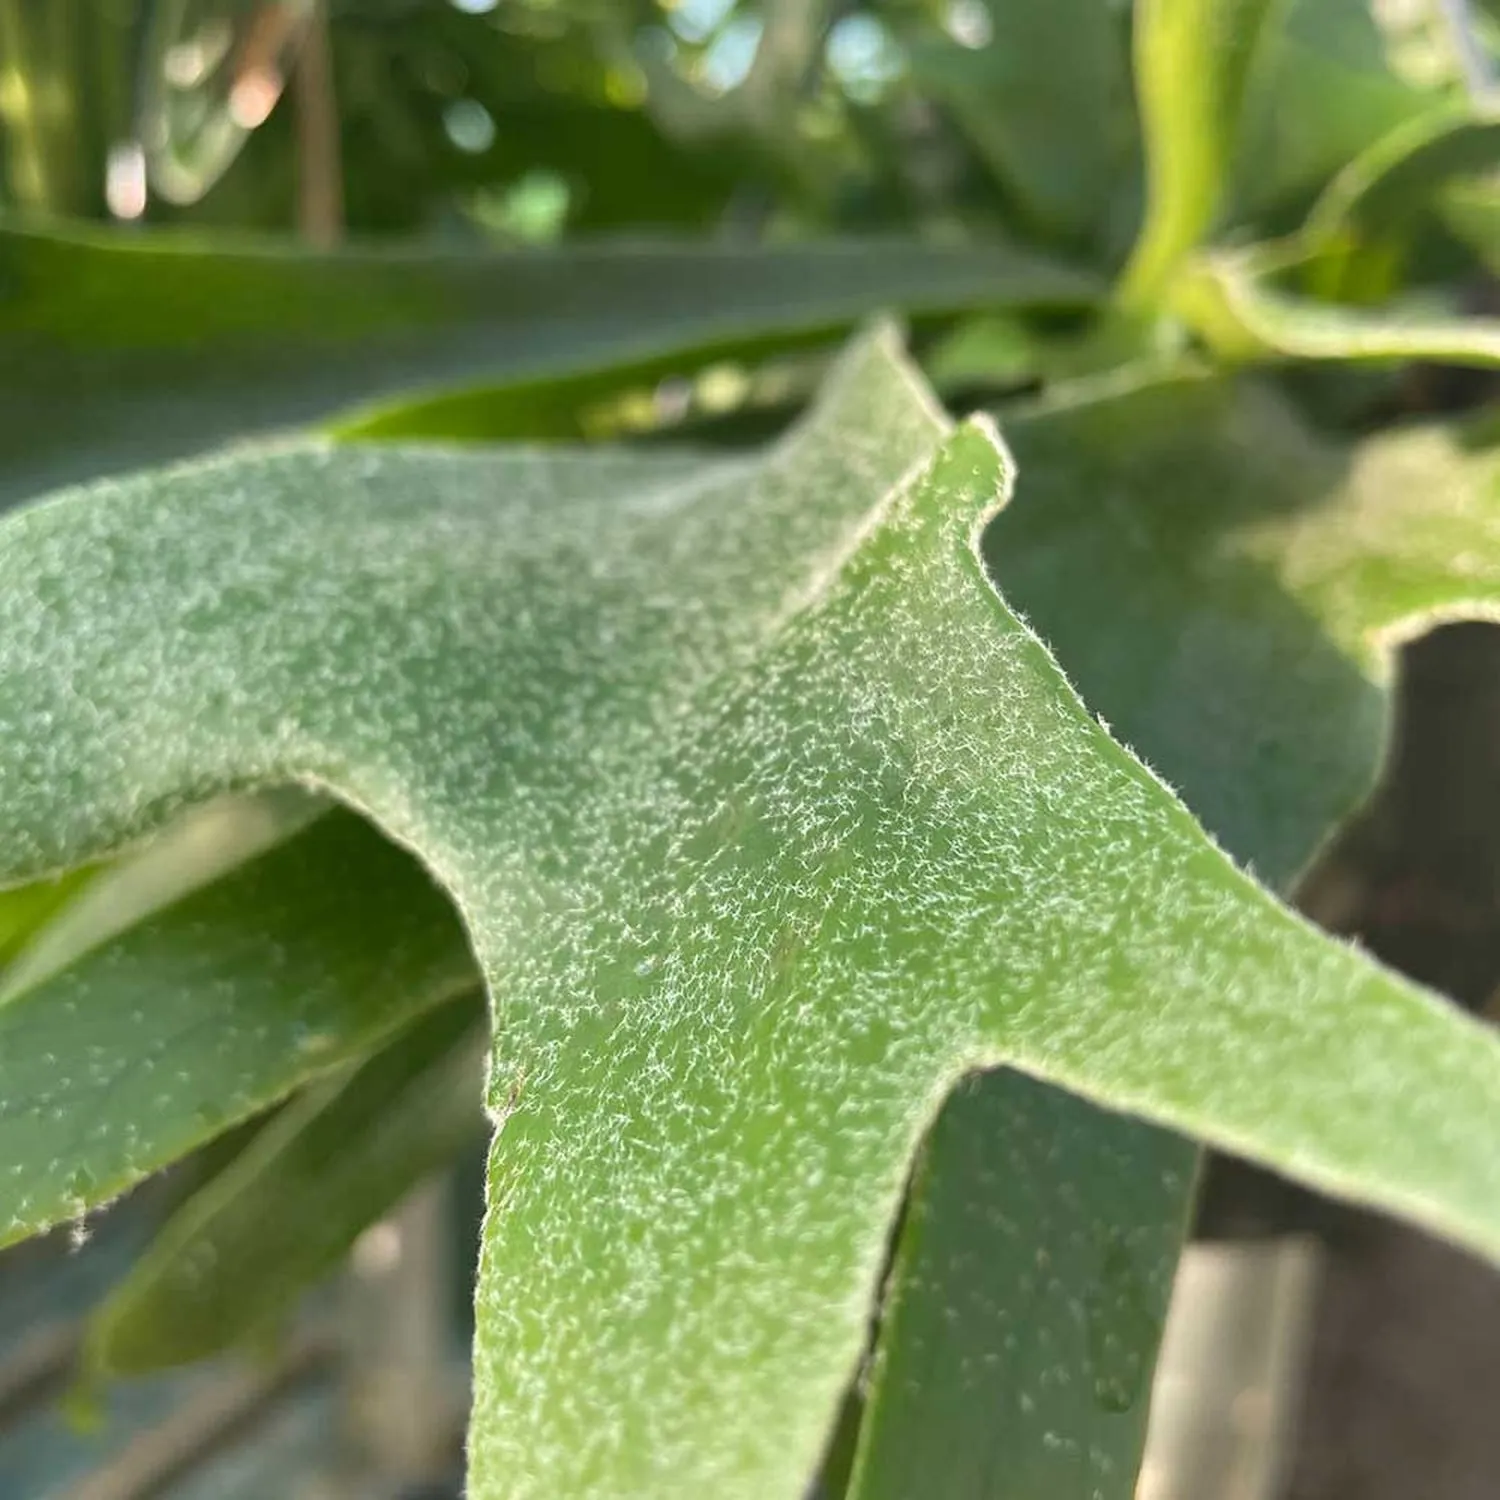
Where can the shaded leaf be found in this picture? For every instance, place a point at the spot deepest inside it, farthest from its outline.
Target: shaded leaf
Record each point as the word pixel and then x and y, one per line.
pixel 768 823
pixel 1232 610
pixel 560 108
pixel 209 1011
pixel 627 400
pixel 1472 211
pixel 236 1256
pixel 118 354
pixel 1402 174
pixel 1026 1302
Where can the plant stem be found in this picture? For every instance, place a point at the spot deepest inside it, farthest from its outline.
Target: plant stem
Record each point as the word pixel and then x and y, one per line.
pixel 320 202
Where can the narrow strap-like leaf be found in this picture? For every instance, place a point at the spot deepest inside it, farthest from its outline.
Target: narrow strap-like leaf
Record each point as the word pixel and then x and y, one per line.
pixel 212 1010
pixel 121 354
pixel 1022 1315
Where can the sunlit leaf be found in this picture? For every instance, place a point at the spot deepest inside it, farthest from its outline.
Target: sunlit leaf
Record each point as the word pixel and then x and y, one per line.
pixel 985 351
pixel 628 400
pixel 27 908
pixel 1192 626
pixel 1240 646
pixel 768 822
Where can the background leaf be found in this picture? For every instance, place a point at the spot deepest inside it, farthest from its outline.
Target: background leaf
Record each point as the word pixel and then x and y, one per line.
pixel 1402 174
pixel 1022 1315
pixel 1322 93
pixel 122 354
pixel 1060 139
pixel 1232 611
pixel 1472 211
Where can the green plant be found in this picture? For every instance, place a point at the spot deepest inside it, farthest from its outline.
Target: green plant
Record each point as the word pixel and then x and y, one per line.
pixel 777 837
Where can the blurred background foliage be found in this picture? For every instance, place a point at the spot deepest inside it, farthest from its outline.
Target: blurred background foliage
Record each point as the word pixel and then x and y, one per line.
pixel 526 120
pixel 523 118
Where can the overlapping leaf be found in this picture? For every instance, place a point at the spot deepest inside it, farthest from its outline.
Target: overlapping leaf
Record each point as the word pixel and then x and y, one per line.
pixel 1234 302
pixel 1322 93
pixel 1472 211
pixel 1023 1312
pixel 1230 607
pixel 767 822
pixel 1402 173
